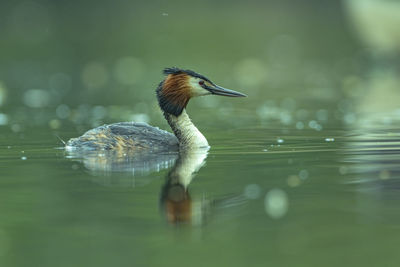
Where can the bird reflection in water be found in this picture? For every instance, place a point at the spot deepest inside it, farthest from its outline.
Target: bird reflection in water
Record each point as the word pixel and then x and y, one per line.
pixel 107 162
pixel 176 204
pixel 175 198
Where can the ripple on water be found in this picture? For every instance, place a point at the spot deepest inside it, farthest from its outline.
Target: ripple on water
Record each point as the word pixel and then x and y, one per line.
pixel 372 156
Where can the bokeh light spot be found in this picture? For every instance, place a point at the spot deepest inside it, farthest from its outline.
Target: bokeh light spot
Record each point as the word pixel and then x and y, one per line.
pixel 140 117
pixel 63 111
pixel 293 181
pixel 252 191
pixel 36 98
pixel 54 124
pixel 384 174
pixel 128 70
pixel 60 83
pixel 94 75
pixel 303 174
pixel 276 203
pixel 3 119
pixel 251 72
pixel 3 93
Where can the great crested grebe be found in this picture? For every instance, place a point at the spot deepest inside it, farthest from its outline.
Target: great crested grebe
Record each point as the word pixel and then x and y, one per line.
pixel 173 94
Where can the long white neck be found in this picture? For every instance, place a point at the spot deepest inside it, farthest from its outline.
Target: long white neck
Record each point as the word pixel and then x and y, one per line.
pixel 188 135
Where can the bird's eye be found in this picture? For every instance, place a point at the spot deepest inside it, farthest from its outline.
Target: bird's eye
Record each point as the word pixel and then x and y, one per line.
pixel 201 82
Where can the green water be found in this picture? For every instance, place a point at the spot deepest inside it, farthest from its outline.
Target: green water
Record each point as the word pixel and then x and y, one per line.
pixel 263 197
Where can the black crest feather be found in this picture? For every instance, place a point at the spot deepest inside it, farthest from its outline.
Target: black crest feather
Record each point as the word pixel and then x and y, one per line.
pixel 175 70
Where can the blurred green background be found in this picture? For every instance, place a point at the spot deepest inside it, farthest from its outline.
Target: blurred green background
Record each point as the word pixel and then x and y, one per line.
pixel 92 62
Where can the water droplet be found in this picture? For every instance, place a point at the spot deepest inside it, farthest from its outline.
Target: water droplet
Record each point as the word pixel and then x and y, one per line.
pixel 280 140
pixel 24 158
pixel 329 139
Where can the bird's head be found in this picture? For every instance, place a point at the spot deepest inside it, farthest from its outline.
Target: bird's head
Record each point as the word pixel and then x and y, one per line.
pixel 179 86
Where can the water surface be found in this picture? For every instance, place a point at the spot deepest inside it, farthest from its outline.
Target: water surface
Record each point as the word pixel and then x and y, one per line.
pixel 261 197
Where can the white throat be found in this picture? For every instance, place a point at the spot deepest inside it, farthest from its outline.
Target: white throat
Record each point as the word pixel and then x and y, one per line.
pixel 188 135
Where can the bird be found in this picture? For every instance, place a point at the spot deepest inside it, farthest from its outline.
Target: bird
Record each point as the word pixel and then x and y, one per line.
pixel 173 94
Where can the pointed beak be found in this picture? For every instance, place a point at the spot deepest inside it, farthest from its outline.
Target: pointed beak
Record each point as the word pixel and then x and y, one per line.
pixel 218 90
